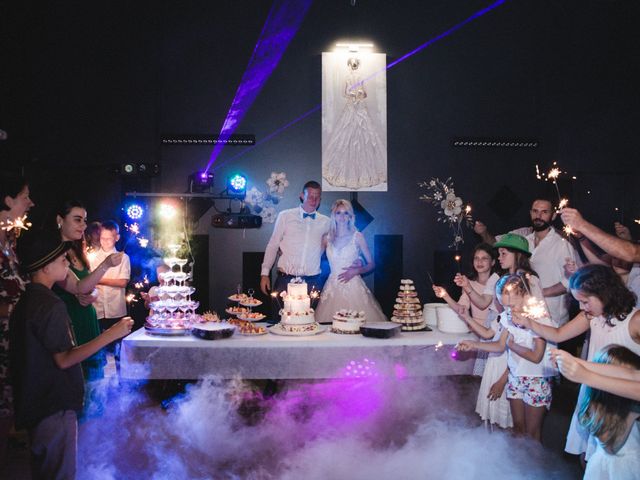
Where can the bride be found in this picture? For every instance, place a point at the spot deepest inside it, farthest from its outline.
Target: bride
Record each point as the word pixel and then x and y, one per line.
pixel 345 289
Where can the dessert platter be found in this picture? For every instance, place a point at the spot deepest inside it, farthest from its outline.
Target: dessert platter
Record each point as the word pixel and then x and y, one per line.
pixel 245 302
pixel 407 310
pixel 297 318
pixel 242 327
pixel 348 322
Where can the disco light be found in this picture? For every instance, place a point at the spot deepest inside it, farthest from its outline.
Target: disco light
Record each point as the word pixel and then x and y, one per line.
pixel 237 186
pixel 135 211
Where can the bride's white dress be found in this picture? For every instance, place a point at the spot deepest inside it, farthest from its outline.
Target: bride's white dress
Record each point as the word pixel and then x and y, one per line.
pixel 353 295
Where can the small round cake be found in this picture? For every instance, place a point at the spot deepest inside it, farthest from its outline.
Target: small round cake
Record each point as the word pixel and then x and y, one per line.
pixel 347 321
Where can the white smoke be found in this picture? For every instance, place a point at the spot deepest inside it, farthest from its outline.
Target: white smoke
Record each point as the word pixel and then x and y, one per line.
pixel 336 429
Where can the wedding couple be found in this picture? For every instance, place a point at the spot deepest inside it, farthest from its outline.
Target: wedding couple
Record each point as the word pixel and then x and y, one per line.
pixel 301 235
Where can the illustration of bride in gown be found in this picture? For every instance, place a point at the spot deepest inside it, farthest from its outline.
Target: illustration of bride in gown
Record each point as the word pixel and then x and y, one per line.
pixel 355 155
pixel 345 288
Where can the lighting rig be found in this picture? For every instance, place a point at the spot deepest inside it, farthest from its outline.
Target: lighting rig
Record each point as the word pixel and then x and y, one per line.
pixel 201 193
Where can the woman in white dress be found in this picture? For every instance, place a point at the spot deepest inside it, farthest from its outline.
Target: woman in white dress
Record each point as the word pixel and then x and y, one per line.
pixel 345 288
pixel 355 153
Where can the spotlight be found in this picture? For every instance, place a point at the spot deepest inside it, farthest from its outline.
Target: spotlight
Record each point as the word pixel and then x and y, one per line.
pixel 167 211
pixel 135 211
pixel 200 182
pixel 237 186
pixel 128 169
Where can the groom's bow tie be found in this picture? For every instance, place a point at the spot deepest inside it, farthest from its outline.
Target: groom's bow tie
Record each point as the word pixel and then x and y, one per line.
pixel 310 215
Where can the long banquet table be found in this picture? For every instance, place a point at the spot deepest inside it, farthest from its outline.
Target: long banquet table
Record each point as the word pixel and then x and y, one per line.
pixel 327 355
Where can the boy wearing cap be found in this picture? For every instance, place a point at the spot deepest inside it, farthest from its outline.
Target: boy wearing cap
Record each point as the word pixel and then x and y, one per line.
pixel 45 360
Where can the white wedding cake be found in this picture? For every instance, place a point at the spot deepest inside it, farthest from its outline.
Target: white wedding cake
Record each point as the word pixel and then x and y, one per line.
pixel 347 321
pixel 297 316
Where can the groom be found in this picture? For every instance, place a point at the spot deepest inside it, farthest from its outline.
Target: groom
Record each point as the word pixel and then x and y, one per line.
pixel 297 235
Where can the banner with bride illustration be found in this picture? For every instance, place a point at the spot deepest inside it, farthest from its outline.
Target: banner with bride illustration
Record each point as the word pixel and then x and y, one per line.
pixel 354 121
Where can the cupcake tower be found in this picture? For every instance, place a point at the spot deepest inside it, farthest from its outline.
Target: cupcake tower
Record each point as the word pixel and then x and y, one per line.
pixel 407 310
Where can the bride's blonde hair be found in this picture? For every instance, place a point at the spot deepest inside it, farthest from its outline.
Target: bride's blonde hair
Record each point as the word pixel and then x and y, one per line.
pixel 351 224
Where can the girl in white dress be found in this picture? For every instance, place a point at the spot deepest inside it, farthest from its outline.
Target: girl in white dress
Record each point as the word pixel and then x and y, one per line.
pixel 608 311
pixel 529 371
pixel 345 288
pixel 513 256
pixel 613 420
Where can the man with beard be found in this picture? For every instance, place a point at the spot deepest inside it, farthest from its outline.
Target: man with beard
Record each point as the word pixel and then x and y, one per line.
pixel 549 253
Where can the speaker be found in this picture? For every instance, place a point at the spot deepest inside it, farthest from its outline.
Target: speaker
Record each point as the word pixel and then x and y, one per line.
pixel 236 220
pixel 389 267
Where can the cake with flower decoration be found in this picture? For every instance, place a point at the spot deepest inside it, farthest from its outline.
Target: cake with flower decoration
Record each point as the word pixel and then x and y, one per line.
pixel 297 317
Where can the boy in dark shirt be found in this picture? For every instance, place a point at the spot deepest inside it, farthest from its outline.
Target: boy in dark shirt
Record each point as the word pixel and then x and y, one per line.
pixel 45 360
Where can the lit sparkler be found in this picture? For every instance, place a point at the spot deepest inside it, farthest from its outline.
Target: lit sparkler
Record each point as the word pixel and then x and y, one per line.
pixel 563 203
pixel 439 345
pixel 457 258
pixel 143 242
pixel 131 298
pixel 637 220
pixel 534 309
pixel 17 224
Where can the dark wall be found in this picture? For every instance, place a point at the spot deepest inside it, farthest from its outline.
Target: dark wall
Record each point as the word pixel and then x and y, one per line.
pixel 87 86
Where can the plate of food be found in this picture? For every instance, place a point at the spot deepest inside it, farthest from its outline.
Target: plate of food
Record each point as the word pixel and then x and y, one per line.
pixel 252 330
pixel 237 310
pixel 252 316
pixel 238 297
pixel 250 302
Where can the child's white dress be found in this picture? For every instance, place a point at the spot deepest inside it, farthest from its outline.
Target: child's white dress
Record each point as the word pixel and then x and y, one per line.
pixel 496 412
pixel 624 464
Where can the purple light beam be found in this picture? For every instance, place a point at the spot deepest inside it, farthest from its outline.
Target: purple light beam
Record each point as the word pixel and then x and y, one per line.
pixel 418 49
pixel 282 23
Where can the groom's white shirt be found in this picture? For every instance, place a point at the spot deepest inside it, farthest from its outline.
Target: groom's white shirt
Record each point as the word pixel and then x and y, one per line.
pixel 300 242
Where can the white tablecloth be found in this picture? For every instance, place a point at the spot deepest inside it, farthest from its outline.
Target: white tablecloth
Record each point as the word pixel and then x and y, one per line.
pixel 327 355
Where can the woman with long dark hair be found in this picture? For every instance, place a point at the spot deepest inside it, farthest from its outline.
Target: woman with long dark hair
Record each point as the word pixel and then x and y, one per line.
pixel 71 221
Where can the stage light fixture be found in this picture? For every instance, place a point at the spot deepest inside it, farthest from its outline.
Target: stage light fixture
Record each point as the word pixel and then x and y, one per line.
pixel 201 182
pixel 237 186
pixel 135 211
pixel 128 169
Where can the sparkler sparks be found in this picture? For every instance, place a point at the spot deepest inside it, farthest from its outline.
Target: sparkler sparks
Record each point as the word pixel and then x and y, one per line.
pixel 567 230
pixel 17 224
pixel 131 298
pixel 534 309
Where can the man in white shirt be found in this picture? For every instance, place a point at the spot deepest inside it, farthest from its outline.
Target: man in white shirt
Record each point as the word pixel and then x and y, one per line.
pixel 297 235
pixel 550 251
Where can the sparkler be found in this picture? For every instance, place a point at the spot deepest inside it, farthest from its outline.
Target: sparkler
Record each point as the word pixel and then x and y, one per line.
pixel 534 309
pixel 18 224
pixel 637 220
pixel 457 259
pixel 277 297
pixel 131 298
pixel 430 278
